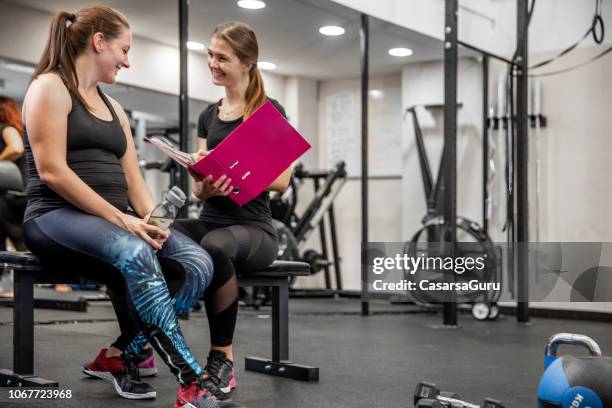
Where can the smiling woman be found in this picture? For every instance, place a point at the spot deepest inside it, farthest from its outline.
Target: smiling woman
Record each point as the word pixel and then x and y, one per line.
pixel 83 175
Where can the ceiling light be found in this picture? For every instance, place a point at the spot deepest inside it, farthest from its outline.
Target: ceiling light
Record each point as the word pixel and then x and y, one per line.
pixel 266 65
pixel 400 52
pixel 195 46
pixel 376 93
pixel 251 4
pixel 331 30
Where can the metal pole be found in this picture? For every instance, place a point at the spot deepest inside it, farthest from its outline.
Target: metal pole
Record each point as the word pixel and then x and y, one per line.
pixel 364 35
pixel 450 142
pixel 485 142
pixel 183 95
pixel 323 237
pixel 522 155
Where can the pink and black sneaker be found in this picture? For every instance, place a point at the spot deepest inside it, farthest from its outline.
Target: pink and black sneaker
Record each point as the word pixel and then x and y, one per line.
pixel 220 369
pixel 145 362
pixel 202 393
pixel 195 396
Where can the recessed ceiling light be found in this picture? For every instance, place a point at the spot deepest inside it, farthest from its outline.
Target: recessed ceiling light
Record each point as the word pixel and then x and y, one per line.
pixel 400 52
pixel 195 46
pixel 266 65
pixel 251 4
pixel 331 30
pixel 376 93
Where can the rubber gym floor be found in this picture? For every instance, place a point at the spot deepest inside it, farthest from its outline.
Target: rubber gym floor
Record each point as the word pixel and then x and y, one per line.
pixel 367 362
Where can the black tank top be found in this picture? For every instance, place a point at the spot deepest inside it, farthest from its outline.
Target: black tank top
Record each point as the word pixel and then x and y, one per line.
pixel 94 150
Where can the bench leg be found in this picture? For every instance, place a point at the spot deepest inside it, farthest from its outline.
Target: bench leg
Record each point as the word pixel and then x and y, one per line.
pixel 279 364
pixel 23 337
pixel 280 322
pixel 23 324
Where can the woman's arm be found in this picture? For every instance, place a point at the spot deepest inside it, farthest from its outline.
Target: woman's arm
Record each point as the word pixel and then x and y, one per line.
pixel 282 182
pixel 46 108
pixel 139 195
pixel 14 144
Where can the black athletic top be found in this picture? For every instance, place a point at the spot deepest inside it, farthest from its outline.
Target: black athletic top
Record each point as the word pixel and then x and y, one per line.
pixel 94 149
pixel 221 211
pixel 21 161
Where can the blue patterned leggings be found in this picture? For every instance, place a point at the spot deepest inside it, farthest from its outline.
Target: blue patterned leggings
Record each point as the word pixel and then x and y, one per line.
pixel 87 246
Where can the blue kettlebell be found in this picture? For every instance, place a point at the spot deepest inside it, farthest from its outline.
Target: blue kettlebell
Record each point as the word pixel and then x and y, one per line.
pixel 575 382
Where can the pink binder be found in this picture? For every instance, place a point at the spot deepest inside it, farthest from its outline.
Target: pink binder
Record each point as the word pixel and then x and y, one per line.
pixel 254 154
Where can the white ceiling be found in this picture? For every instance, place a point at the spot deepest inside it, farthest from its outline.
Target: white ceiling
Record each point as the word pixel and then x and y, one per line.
pixel 287 31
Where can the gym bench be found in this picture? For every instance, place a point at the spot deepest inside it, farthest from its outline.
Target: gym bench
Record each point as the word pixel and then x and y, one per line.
pixel 28 271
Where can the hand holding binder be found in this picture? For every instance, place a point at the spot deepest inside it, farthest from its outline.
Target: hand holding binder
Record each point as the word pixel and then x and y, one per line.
pixel 253 155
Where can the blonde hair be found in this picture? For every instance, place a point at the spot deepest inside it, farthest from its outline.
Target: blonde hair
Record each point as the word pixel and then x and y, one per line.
pixel 243 41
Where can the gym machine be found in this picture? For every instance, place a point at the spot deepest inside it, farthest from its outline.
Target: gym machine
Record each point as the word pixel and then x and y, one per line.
pixel 473 242
pixel 294 230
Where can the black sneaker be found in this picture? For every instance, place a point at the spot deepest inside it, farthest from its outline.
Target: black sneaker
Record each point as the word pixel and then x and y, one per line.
pixel 220 370
pixel 128 384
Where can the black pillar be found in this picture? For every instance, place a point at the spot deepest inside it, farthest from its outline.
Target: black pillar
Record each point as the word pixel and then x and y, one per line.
pixel 522 132
pixel 450 143
pixel 485 142
pixel 183 95
pixel 364 35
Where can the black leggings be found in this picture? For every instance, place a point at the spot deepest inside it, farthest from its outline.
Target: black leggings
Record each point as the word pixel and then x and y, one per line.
pixel 235 250
pixel 84 245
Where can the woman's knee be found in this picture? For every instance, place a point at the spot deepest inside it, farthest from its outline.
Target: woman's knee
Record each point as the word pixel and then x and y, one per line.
pixel 196 262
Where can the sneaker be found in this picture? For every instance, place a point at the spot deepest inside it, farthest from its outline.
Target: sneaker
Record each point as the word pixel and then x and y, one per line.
pixel 102 366
pixel 129 387
pixel 195 396
pixel 146 363
pixel 221 370
pixel 122 373
pixel 201 394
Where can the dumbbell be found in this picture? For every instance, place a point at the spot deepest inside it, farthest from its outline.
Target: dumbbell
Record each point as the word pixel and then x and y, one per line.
pixel 428 395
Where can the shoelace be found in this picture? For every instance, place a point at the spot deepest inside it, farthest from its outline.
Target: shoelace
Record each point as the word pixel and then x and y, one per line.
pixel 132 367
pixel 210 384
pixel 215 366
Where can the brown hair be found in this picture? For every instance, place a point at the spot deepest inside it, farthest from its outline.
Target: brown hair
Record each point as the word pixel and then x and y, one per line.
pixel 244 43
pixel 69 36
pixel 9 113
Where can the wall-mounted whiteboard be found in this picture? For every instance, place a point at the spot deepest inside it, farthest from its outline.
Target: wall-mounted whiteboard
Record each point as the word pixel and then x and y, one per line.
pixel 342 129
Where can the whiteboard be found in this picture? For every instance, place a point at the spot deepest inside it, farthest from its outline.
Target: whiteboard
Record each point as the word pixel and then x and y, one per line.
pixel 343 132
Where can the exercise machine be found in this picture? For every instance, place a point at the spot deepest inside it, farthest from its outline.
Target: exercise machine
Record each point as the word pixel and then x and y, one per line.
pixel 294 229
pixel 430 240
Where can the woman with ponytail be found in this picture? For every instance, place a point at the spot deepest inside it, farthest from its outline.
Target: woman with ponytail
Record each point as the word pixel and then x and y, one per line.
pixel 83 176
pixel 240 240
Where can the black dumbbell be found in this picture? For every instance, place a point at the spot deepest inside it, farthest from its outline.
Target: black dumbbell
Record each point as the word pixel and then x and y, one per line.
pixel 428 403
pixel 425 390
pixel 428 394
pixel 492 403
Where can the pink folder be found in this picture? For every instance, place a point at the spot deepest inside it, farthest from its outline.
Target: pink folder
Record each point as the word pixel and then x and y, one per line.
pixel 254 154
